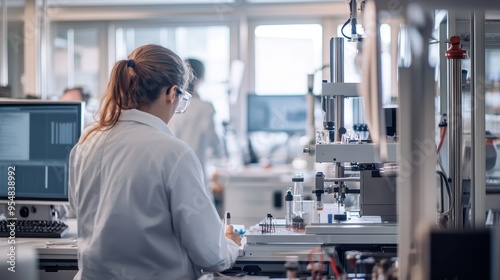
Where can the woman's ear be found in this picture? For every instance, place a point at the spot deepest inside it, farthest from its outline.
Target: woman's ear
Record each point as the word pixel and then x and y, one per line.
pixel 171 94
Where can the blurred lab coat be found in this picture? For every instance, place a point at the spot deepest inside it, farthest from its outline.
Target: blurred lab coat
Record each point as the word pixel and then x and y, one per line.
pixel 196 127
pixel 141 207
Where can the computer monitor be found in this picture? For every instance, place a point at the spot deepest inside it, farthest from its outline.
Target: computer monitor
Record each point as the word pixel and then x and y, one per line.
pixel 36 138
pixel 276 113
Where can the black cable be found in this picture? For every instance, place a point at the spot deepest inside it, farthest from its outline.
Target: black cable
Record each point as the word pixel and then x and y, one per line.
pixel 352 7
pixel 342 29
pixel 353 26
pixel 442 193
pixel 447 184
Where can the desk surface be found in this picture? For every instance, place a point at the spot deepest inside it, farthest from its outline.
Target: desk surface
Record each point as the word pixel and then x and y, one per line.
pixel 67 251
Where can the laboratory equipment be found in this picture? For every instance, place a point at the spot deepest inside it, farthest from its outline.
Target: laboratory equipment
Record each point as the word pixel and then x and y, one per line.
pixel 365 265
pixel 298 210
pixel 288 208
pixel 268 224
pixel 377 178
pixel 455 55
pixel 355 162
pixel 377 190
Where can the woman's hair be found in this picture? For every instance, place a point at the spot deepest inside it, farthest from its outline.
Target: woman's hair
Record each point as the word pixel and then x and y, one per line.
pixel 137 81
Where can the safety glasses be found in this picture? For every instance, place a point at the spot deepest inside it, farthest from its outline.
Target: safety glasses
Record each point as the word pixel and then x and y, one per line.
pixel 184 99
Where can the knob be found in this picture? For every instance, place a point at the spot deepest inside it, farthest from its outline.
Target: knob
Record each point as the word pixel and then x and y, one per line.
pixel 306 150
pixel 24 212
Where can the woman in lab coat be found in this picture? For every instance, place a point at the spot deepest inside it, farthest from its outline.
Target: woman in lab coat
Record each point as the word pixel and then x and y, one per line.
pixel 138 191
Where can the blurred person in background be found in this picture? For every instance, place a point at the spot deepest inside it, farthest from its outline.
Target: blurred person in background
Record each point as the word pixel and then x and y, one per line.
pixel 197 128
pixel 81 94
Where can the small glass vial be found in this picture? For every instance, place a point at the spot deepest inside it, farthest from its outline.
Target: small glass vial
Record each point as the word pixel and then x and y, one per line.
pixel 288 208
pixel 298 190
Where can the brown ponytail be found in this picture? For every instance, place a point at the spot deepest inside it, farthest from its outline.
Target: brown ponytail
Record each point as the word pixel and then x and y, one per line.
pixel 137 81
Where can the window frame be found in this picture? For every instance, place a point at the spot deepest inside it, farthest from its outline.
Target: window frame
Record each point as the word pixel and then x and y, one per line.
pixel 102 35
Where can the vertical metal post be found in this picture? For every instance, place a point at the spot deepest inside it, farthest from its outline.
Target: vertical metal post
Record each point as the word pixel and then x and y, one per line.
pixel 455 55
pixel 417 151
pixel 472 122
pixel 31 48
pixel 443 89
pixel 310 109
pixel 455 155
pixel 337 76
pixel 478 68
pixel 417 160
pixel 4 55
pixel 311 125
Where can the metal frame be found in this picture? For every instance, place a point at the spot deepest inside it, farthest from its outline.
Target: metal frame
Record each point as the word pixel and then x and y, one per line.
pixel 4 56
pixel 478 83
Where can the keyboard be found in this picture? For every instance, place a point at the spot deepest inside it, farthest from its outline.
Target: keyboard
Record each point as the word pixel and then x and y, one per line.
pixel 34 229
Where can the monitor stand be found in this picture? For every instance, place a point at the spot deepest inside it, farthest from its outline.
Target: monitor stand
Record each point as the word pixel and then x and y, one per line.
pixel 30 212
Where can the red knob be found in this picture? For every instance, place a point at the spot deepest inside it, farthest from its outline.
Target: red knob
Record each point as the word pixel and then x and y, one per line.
pixel 455 51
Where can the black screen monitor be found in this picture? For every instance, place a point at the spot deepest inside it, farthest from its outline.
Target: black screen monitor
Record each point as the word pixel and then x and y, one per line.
pixel 277 113
pixel 36 138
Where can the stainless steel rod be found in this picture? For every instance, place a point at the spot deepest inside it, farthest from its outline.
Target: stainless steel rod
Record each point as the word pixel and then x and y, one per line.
pixel 337 60
pixel 4 56
pixel 455 154
pixel 337 76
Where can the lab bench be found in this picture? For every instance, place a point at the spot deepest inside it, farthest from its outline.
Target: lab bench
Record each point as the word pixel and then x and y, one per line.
pixel 266 253
pixel 55 262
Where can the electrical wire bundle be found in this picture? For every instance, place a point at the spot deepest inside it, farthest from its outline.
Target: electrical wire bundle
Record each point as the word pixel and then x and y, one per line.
pixel 442 216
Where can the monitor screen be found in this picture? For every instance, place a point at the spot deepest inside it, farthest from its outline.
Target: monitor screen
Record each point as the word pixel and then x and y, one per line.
pixel 36 138
pixel 276 113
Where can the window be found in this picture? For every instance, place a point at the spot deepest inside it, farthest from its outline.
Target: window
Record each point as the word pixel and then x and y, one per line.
pixel 210 44
pixel 75 60
pixel 285 55
pixel 15 62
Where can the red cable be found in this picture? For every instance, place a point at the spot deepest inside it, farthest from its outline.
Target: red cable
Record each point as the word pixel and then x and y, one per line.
pixel 334 267
pixel 441 139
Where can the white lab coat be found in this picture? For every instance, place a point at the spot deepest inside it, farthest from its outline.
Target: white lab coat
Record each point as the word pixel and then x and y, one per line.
pixel 196 127
pixel 141 206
